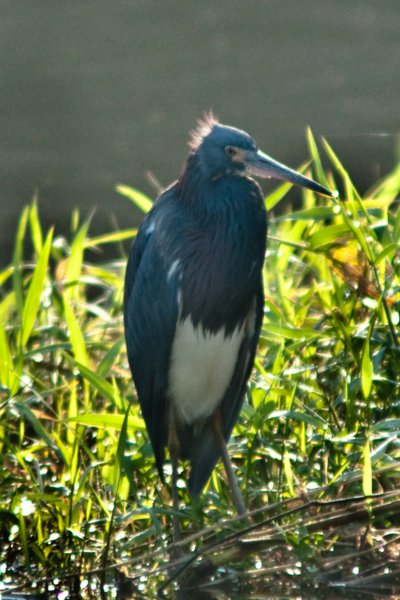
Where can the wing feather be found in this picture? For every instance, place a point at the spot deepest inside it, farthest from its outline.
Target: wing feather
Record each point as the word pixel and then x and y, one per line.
pixel 150 315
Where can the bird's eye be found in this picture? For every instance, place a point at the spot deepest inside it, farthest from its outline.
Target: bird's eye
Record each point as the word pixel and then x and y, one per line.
pixel 230 150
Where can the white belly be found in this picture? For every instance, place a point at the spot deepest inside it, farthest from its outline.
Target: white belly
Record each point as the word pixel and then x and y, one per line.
pixel 202 365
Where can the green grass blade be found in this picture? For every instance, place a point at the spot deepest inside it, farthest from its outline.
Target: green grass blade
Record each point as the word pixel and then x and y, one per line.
pixel 5 275
pixel 41 432
pixel 35 227
pixel 314 421
pixel 110 238
pixel 7 373
pixel 24 542
pixel 388 188
pixel 388 251
pixel 143 202
pixel 7 306
pixel 351 192
pixel 75 331
pixel 72 412
pixel 74 265
pixel 288 473
pixel 108 421
pixel 327 235
pixel 276 196
pixel 18 260
pixel 367 371
pixel 36 287
pixel 367 469
pixel 290 332
pixel 108 360
pixel 321 177
pixel 120 454
pixel 317 213
pixel 98 382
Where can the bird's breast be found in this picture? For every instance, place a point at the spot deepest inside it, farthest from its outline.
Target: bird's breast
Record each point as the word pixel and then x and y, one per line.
pixel 201 368
pixel 221 248
pixel 218 283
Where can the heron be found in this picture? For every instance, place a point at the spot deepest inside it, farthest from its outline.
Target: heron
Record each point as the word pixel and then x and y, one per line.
pixel 193 301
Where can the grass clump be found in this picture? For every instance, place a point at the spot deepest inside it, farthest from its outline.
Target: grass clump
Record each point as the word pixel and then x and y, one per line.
pixel 316 447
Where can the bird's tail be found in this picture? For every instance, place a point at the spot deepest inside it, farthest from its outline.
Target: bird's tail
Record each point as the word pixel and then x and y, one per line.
pixel 204 454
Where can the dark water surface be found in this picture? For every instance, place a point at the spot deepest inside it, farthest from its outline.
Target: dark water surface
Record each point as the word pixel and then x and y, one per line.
pixel 94 93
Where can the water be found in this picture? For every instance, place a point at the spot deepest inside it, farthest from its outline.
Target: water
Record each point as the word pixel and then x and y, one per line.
pixel 98 93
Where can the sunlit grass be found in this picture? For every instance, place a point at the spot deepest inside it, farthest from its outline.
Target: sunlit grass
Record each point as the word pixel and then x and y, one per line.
pixel 78 487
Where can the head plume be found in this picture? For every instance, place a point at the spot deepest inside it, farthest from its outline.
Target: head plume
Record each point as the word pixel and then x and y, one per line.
pixel 204 127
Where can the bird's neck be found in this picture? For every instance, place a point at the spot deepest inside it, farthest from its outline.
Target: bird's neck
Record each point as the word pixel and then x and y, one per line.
pixel 209 195
pixel 192 182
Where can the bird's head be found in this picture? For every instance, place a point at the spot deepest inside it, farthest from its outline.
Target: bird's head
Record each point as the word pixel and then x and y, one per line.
pixel 223 150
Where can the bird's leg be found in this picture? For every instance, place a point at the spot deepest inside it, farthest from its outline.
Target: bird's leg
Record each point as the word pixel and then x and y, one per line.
pixel 175 500
pixel 173 445
pixel 233 482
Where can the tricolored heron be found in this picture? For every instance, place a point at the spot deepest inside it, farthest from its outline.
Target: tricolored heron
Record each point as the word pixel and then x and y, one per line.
pixel 193 301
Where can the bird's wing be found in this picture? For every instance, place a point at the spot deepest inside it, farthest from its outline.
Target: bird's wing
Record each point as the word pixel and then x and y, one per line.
pixel 204 452
pixel 150 315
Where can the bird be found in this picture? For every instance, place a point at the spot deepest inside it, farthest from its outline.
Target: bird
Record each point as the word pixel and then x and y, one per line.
pixel 193 300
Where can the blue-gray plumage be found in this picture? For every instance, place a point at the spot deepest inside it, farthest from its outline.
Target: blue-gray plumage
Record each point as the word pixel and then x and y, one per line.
pixel 193 302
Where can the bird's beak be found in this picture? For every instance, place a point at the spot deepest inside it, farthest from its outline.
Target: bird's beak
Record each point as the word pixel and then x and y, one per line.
pixel 260 164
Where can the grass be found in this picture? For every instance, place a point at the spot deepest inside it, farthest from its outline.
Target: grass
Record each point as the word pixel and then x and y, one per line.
pixel 316 449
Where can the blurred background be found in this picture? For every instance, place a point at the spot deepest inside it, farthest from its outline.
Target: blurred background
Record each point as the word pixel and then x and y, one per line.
pixel 97 93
